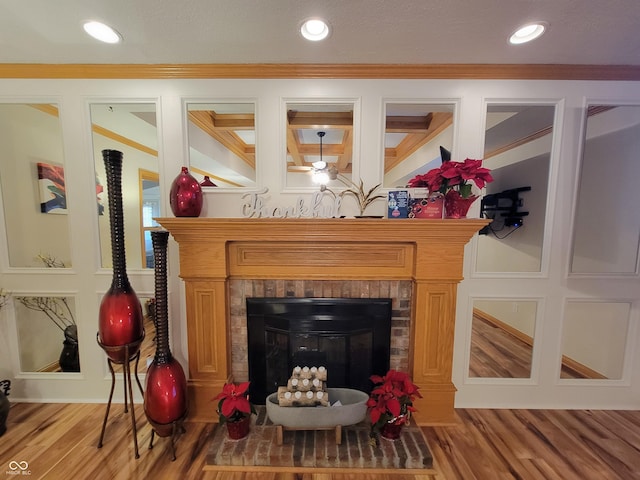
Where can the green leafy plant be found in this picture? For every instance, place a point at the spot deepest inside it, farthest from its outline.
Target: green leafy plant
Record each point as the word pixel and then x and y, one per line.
pixel 362 196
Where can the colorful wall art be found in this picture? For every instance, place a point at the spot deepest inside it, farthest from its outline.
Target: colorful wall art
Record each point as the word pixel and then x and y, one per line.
pixel 53 197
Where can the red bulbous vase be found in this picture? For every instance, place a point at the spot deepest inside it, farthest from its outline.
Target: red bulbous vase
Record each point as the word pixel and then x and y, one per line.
pixel 120 322
pixel 185 195
pixel 165 396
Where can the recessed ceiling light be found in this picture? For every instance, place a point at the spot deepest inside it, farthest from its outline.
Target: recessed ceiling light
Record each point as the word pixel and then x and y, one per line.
pixel 102 32
pixel 527 33
pixel 314 29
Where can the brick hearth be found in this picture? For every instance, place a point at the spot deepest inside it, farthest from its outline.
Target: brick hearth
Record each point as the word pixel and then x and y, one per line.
pixel 398 291
pixel 318 449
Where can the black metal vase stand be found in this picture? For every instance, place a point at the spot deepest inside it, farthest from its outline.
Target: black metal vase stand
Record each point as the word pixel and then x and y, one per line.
pixel 177 427
pixel 128 388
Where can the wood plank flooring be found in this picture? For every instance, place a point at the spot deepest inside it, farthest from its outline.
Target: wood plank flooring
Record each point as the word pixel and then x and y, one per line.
pixel 495 353
pixel 58 441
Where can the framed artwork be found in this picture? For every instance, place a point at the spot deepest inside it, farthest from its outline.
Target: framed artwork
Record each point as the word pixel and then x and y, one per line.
pixel 53 197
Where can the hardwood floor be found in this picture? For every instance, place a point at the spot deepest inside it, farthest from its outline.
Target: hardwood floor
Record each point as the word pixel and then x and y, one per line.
pixel 496 353
pixel 58 441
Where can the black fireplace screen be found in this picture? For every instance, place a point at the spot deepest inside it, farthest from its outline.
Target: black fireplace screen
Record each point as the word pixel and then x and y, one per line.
pixel 349 336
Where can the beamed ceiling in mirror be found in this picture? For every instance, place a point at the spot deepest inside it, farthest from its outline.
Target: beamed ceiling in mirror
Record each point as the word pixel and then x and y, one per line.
pixel 417 131
pixel 223 127
pixel 303 142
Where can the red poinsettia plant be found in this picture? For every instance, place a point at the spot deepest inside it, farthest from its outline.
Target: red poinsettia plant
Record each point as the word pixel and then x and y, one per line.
pixel 391 400
pixel 234 404
pixel 454 176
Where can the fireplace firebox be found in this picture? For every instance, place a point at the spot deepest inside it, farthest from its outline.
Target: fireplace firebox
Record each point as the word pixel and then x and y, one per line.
pixel 349 336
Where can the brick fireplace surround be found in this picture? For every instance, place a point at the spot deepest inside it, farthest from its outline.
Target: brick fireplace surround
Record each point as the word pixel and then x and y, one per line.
pixel 301 257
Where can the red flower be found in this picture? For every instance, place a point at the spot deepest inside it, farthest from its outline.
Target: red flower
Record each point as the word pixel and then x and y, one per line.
pixel 473 170
pixel 392 397
pixel 234 403
pixel 454 176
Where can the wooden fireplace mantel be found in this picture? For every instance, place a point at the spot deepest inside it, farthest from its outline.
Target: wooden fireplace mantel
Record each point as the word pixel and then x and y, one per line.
pixel 428 252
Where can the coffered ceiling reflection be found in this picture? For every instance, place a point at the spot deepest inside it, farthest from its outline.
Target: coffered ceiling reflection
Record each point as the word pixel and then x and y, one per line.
pixel 304 122
pixel 413 135
pixel 222 142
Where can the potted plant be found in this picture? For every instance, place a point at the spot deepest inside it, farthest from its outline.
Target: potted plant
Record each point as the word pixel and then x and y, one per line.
pixel 390 403
pixel 453 180
pixel 362 196
pixel 235 409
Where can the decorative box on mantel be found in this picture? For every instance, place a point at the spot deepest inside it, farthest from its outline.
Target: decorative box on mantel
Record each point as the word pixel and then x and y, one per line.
pixel 428 252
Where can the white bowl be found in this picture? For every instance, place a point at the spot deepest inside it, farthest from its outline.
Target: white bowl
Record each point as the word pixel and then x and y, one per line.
pixel 353 410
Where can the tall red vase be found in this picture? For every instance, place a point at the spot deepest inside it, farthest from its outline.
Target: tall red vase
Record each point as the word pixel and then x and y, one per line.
pixel 185 195
pixel 120 322
pixel 165 396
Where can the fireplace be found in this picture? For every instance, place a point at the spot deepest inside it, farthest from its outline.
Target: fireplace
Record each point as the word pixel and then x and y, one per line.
pixel 348 336
pixel 216 252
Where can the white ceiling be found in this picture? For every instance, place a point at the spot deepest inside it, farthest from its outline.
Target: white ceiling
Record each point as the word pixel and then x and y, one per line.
pixel 363 31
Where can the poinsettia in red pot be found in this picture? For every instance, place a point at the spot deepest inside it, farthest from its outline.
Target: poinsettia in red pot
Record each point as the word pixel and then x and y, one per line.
pixel 390 403
pixel 453 180
pixel 235 409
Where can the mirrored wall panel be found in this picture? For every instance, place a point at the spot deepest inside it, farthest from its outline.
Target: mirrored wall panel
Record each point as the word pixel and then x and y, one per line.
pixel 594 338
pixel 413 135
pixel 47 334
pixel 607 224
pixel 518 145
pixel 131 129
pixel 222 143
pixel 319 140
pixel 150 209
pixel 502 338
pixel 32 179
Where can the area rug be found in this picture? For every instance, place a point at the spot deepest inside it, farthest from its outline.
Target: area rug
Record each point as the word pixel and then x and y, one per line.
pixel 318 449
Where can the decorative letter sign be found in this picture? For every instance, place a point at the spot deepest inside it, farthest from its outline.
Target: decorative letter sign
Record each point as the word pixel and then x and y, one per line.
pixel 255 206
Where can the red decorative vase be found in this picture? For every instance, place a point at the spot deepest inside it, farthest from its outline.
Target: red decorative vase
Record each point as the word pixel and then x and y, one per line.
pixel 185 195
pixel 239 429
pixel 165 396
pixel 120 322
pixel 455 206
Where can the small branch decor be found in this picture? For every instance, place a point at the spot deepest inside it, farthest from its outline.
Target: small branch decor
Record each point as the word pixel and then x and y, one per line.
pixel 362 196
pixel 55 308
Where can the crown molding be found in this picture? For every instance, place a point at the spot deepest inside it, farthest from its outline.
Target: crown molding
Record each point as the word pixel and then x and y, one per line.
pixel 326 71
